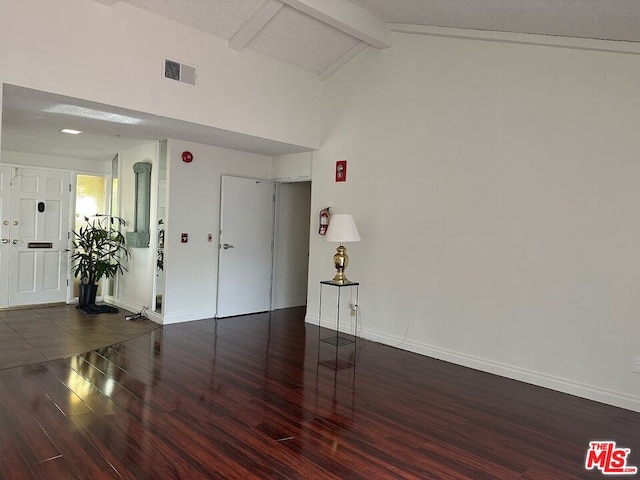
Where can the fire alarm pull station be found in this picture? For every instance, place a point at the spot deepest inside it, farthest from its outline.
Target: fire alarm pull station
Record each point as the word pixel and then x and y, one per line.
pixel 341 171
pixel 184 238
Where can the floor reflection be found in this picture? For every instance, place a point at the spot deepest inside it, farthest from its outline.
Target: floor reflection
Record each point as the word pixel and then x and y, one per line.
pixel 34 335
pixel 246 398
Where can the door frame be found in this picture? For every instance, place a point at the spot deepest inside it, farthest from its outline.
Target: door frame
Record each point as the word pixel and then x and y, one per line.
pixel 71 298
pixel 274 239
pixel 276 226
pixel 5 297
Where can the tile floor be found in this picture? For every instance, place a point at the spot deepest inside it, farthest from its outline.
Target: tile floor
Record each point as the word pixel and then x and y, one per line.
pixel 45 333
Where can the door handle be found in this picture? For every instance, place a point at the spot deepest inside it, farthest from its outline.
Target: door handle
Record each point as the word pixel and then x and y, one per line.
pixel 5 240
pixel 226 246
pixel 16 241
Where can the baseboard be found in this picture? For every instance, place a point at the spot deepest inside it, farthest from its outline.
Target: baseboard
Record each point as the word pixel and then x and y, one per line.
pixel 134 308
pixel 290 302
pixel 186 316
pixel 330 323
pixel 163 319
pixel 559 384
pixel 153 316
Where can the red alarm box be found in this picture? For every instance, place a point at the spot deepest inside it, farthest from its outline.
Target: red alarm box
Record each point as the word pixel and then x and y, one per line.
pixel 341 171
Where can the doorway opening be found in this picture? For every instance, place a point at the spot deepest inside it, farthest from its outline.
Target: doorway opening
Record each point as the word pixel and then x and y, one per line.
pixel 263 256
pixel 91 199
pixel 291 252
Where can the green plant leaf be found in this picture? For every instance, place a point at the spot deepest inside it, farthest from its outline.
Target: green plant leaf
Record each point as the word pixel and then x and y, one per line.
pixel 99 249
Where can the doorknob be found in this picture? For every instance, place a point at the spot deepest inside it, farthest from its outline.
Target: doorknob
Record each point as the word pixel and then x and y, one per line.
pixel 16 241
pixel 5 240
pixel 15 222
pixel 226 246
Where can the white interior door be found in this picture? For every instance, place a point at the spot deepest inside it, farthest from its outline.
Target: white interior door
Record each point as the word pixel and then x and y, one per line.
pixel 5 227
pixel 38 228
pixel 245 252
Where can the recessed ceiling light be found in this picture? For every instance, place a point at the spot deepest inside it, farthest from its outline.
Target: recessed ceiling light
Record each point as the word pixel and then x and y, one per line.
pixel 71 131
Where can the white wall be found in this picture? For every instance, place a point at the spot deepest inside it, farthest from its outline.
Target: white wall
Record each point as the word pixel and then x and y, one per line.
pixel 49 161
pixel 291 256
pixel 114 55
pixel 193 207
pixel 495 186
pixel 135 287
pixel 293 167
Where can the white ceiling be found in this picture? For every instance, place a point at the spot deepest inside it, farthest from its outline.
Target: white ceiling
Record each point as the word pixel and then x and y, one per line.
pixel 596 19
pixel 303 33
pixel 319 36
pixel 32 122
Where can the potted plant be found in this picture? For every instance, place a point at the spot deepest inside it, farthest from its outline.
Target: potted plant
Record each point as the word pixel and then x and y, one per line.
pixel 98 252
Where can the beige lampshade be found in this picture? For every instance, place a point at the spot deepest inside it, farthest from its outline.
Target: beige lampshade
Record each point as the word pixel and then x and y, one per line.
pixel 342 229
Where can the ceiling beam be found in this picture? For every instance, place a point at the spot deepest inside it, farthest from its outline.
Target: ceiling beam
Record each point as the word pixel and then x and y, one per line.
pixel 342 61
pixel 254 24
pixel 108 3
pixel 347 17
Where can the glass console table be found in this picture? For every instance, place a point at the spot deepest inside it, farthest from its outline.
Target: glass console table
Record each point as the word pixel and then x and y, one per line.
pixel 337 338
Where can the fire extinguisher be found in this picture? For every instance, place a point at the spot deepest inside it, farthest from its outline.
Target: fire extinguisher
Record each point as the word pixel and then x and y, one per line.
pixel 324 220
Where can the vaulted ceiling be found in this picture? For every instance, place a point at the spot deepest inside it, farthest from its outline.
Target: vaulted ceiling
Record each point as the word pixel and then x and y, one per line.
pixel 319 36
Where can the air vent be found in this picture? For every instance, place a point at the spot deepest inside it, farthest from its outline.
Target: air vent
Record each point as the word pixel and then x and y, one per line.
pixel 180 72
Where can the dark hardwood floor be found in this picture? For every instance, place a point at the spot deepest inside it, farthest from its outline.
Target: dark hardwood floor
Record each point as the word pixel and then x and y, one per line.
pixel 244 398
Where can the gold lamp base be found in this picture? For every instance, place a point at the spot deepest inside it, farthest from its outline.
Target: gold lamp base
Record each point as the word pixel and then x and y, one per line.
pixel 341 261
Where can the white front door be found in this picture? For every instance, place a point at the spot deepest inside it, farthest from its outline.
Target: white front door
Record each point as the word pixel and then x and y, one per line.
pixel 245 254
pixel 37 242
pixel 5 233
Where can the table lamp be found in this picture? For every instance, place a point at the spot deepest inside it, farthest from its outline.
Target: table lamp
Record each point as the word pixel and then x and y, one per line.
pixel 342 229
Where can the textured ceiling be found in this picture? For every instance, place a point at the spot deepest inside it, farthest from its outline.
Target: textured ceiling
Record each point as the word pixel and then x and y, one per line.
pixel 298 39
pixel 597 19
pixel 221 18
pixel 316 35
